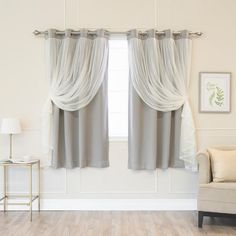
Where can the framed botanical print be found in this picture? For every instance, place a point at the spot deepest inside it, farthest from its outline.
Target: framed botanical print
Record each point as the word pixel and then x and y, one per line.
pixel 214 88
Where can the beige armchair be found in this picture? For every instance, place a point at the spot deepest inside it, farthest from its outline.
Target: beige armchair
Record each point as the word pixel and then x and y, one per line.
pixel 214 199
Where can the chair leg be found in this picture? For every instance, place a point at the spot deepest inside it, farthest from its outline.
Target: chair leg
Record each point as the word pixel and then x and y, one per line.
pixel 200 218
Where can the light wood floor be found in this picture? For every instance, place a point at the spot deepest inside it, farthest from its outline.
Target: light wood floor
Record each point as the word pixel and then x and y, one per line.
pixel 107 223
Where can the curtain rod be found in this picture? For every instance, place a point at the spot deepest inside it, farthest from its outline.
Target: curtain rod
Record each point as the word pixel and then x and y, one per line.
pixel 194 34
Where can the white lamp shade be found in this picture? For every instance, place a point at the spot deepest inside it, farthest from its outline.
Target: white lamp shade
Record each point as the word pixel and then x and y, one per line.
pixel 10 126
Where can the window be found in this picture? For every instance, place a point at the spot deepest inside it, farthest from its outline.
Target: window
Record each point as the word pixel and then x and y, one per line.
pixel 118 88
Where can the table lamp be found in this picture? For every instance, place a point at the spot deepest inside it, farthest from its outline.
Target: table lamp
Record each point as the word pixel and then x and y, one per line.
pixel 10 126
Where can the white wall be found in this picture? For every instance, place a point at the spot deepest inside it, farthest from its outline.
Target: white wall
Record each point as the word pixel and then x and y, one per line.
pixel 23 88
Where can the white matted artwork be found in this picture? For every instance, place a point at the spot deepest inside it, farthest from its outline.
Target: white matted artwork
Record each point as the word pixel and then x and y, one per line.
pixel 214 92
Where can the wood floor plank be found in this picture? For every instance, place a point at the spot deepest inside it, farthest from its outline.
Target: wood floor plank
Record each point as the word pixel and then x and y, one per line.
pixel 112 223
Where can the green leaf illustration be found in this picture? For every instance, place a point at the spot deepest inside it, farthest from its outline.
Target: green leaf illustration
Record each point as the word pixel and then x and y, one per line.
pixel 219 96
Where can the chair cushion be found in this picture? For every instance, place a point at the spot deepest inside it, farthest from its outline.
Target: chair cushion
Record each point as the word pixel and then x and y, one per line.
pixel 221 192
pixel 217 197
pixel 223 165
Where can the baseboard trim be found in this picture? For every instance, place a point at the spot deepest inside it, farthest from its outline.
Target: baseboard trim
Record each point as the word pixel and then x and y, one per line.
pixel 113 205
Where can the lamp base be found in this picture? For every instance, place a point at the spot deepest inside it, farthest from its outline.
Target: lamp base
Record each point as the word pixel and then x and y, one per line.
pixel 10 157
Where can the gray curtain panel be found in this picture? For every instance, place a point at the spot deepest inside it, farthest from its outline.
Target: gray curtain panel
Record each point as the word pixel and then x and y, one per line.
pixel 77 69
pixel 154 136
pixel 80 138
pixel 161 127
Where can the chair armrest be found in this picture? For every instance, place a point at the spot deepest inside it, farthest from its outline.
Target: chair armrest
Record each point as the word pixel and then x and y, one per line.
pixel 204 167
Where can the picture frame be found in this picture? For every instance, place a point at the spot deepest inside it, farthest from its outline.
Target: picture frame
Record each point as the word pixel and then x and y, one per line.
pixel 215 92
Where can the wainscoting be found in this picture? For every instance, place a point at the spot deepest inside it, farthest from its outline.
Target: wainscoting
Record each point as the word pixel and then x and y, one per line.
pixel 112 188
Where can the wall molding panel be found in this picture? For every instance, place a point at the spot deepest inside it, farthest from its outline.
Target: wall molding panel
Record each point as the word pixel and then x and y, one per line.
pixel 182 176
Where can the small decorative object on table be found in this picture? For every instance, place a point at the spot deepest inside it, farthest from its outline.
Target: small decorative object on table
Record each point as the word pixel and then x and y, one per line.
pixel 214 92
pixel 6 196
